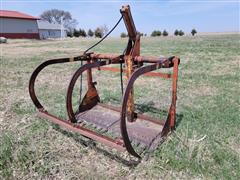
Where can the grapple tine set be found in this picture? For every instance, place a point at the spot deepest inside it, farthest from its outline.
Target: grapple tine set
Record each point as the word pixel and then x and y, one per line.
pixel 125 125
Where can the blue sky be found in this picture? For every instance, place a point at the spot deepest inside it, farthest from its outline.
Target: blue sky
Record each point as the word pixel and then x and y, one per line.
pixel 205 16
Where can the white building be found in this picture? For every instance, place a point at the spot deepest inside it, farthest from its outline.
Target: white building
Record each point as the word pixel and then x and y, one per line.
pixel 15 24
pixel 50 30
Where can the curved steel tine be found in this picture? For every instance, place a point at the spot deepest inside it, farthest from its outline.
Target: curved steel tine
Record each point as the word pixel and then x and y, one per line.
pixel 129 86
pixel 72 83
pixel 40 68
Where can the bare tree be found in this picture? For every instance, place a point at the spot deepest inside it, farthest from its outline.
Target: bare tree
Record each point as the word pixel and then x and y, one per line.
pixel 104 29
pixel 101 31
pixel 60 16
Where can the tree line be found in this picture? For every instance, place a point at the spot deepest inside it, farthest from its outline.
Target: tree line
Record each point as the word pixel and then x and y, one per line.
pixel 99 32
pixel 156 33
pixel 176 33
pixel 65 18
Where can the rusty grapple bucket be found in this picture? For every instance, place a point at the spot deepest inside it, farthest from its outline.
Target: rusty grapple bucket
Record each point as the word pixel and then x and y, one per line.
pixel 125 128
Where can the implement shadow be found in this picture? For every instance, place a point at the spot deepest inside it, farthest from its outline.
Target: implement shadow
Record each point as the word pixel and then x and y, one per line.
pixel 149 108
pixel 91 144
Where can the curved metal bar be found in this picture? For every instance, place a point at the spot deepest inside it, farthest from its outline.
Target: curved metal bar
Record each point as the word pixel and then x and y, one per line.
pixel 40 68
pixel 130 83
pixel 129 86
pixel 34 76
pixel 71 85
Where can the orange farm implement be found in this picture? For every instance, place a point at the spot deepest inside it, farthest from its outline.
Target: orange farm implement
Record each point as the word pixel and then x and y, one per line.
pixel 127 126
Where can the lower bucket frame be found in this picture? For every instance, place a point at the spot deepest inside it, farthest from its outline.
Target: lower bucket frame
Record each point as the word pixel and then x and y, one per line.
pixel 119 144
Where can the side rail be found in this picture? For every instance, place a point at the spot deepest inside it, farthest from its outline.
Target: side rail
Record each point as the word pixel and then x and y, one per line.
pixel 142 59
pixel 171 116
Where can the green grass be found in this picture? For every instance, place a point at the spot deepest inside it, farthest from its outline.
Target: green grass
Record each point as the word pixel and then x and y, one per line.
pixel 206 143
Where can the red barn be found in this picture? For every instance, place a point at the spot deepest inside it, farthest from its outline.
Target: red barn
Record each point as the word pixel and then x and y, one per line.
pixel 15 24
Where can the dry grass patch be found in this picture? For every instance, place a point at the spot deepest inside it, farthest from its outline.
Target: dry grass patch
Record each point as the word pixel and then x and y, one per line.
pixel 204 146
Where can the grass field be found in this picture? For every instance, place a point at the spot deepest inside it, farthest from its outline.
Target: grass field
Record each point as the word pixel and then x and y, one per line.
pixel 205 145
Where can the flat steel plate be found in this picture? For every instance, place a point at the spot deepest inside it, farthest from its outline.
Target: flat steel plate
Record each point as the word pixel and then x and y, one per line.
pixel 140 131
pixel 99 116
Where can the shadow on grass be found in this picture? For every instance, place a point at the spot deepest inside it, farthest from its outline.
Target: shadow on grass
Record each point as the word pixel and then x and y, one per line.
pixel 85 141
pixel 143 108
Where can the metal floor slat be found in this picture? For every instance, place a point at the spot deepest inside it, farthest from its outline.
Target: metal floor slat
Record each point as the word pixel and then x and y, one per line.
pixel 140 131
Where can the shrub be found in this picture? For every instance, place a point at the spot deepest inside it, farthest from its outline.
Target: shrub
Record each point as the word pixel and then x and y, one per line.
pixel 98 32
pixel 90 33
pixel 165 33
pixel 69 34
pixel 181 33
pixel 176 32
pixel 193 32
pixel 82 33
pixel 123 35
pixel 156 33
pixel 76 33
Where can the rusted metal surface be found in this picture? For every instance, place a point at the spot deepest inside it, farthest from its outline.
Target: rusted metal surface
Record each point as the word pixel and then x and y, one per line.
pixel 117 144
pixel 129 23
pixel 103 118
pixel 90 99
pixel 137 115
pixel 171 119
pixel 89 76
pixel 130 103
pixel 114 58
pixel 41 67
pixel 174 93
pixel 151 74
pixel 158 74
pixel 133 51
pixel 140 132
pixel 100 117
pixel 130 83
pixel 129 126
pixel 72 83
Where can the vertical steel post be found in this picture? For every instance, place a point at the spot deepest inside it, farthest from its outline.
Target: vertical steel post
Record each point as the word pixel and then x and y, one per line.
pixel 89 76
pixel 174 94
pixel 133 49
pixel 130 102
